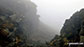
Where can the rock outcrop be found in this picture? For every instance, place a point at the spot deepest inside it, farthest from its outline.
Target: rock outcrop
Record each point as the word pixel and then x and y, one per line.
pixel 23 10
pixel 72 31
pixel 30 28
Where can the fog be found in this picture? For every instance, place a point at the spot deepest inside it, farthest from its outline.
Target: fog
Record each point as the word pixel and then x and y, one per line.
pixel 30 26
pixel 40 20
pixel 55 12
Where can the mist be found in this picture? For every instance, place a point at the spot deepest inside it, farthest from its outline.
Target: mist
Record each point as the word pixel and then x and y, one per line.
pixel 55 12
pixel 31 27
pixel 37 21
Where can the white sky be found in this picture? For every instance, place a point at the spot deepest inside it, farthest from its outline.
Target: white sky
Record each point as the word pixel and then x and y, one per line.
pixel 54 12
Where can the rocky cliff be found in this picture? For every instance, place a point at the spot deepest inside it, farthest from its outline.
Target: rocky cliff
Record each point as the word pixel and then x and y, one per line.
pixel 72 31
pixel 31 27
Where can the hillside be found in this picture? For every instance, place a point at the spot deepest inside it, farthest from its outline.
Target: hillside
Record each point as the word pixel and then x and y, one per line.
pixel 72 31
